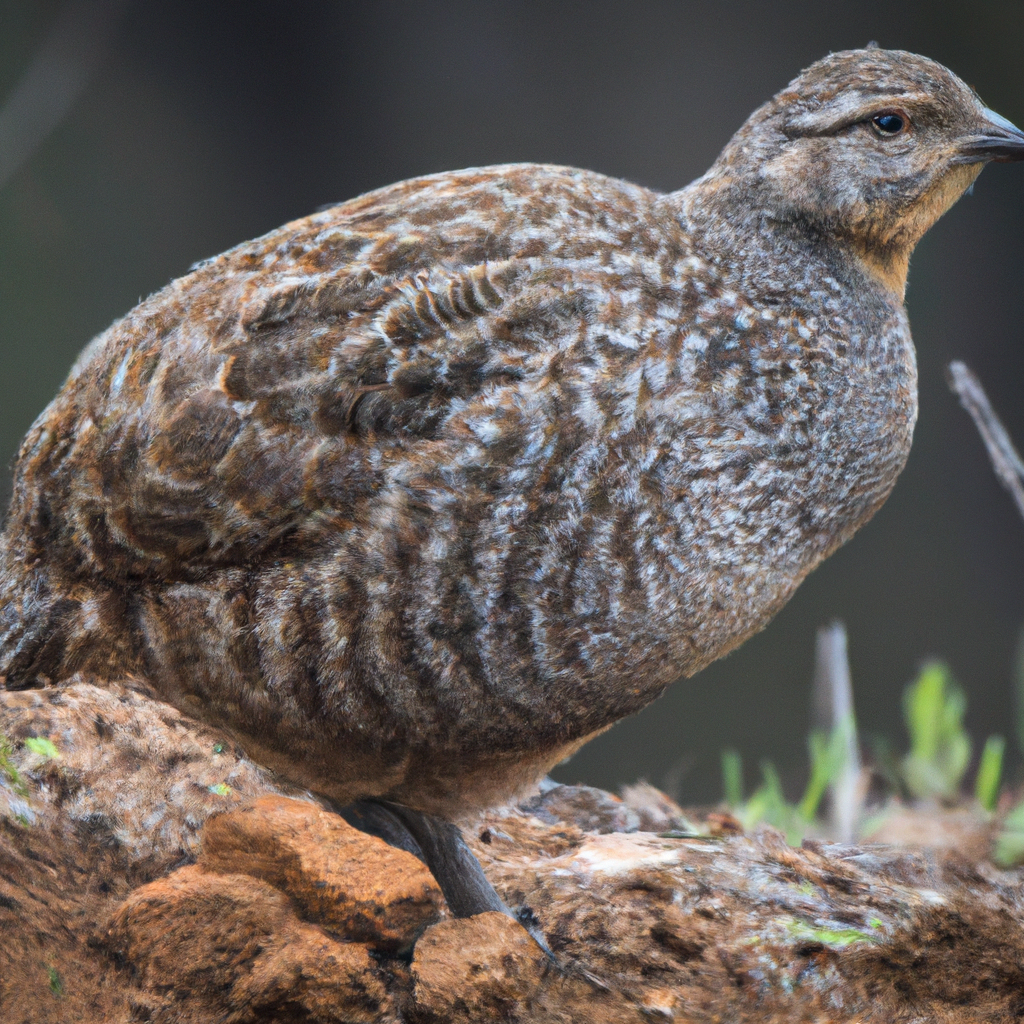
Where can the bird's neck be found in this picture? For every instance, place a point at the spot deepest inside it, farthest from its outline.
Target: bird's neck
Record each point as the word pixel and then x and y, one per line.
pixel 730 216
pixel 888 267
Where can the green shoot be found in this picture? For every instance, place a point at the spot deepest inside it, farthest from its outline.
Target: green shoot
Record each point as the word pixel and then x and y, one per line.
pixel 1009 845
pixel 732 777
pixel 828 761
pixel 768 804
pixel 990 771
pixel 940 752
pixel 939 748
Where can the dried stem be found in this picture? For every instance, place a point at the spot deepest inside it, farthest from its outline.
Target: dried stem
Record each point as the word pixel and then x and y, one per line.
pixel 833 701
pixel 1004 457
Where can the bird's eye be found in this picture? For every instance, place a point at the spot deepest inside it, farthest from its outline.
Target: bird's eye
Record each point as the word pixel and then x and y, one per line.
pixel 888 125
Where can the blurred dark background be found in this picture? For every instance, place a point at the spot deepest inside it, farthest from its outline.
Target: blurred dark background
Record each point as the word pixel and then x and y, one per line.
pixel 198 125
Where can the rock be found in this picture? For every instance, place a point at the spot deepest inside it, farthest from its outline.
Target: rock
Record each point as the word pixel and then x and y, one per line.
pixel 656 811
pixel 950 829
pixel 98 924
pixel 748 929
pixel 213 947
pixel 590 809
pixel 123 801
pixel 352 883
pixel 52 893
pixel 131 772
pixel 475 969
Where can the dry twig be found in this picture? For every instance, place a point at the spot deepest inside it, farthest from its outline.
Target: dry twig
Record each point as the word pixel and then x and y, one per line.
pixel 1004 457
pixel 833 703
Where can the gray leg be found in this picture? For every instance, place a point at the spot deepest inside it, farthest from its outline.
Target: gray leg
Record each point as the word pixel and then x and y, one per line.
pixel 452 863
pixel 439 844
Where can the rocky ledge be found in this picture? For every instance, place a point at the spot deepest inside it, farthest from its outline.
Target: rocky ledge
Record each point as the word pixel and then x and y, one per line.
pixel 149 872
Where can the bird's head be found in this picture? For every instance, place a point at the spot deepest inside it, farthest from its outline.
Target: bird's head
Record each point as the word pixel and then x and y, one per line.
pixel 870 146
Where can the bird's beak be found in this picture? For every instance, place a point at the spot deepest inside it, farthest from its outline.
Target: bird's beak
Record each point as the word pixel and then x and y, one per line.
pixel 998 139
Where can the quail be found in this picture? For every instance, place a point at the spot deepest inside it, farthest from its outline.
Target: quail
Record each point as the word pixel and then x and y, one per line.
pixel 417 494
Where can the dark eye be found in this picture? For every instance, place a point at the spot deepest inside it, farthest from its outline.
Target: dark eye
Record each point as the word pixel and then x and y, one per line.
pixel 888 124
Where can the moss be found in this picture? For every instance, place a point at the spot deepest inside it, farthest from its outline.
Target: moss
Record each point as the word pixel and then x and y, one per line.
pixel 835 937
pixel 8 769
pixel 56 982
pixel 42 746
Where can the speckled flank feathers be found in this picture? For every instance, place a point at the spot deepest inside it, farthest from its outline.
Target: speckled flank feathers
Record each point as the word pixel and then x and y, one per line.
pixel 417 493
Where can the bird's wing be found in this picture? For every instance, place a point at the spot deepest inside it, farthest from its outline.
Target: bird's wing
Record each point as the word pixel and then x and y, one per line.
pixel 259 402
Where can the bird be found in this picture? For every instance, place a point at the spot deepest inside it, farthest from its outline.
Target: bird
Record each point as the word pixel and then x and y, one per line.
pixel 415 495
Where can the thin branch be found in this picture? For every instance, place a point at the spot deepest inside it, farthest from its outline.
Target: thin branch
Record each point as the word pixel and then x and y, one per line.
pixel 1004 457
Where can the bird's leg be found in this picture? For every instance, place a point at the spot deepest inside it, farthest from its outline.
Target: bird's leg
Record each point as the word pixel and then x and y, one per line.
pixel 439 844
pixel 376 819
pixel 452 863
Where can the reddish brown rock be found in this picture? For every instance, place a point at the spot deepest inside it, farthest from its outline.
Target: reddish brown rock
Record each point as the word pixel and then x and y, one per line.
pixel 656 811
pixel 588 808
pixel 955 830
pixel 229 947
pixel 479 968
pixel 352 883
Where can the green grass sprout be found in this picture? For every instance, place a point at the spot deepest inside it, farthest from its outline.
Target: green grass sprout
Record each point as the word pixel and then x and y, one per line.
pixel 836 937
pixel 768 802
pixel 990 772
pixel 56 982
pixel 940 750
pixel 934 769
pixel 732 777
pixel 828 761
pixel 1008 851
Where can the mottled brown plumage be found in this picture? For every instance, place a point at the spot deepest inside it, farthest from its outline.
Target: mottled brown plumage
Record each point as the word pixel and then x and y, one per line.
pixel 416 494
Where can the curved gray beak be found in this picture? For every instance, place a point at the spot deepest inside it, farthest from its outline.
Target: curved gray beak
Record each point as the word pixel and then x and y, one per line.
pixel 999 140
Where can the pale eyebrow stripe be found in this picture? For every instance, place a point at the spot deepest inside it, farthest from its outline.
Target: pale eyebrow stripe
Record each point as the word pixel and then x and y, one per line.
pixel 850 109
